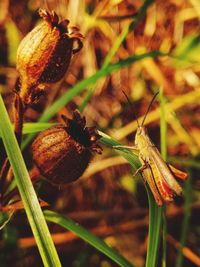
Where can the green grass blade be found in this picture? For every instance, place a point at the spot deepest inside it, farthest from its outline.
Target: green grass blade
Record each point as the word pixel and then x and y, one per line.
pixel 125 31
pixel 116 46
pixel 188 51
pixel 33 210
pixel 126 153
pixel 186 221
pixel 35 127
pixel 32 127
pixel 80 86
pixel 87 236
pixel 155 212
pixel 185 226
pixel 154 235
pixel 155 219
pixel 87 97
pixel 163 126
pixel 163 143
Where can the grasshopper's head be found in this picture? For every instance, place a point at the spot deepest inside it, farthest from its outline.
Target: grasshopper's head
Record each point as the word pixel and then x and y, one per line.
pixel 141 137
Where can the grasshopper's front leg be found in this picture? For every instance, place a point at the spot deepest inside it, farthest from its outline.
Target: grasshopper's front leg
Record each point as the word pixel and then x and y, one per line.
pixel 141 169
pixel 146 173
pixel 135 152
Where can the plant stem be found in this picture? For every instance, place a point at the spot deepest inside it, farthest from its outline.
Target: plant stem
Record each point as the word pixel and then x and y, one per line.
pixel 163 143
pixel 115 47
pixel 32 207
pixel 18 110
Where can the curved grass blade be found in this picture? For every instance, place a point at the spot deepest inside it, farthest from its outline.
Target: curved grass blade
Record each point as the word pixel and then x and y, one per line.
pixel 33 210
pixel 116 45
pixel 87 236
pixel 35 127
pixel 32 127
pixel 163 144
pixel 126 30
pixel 186 222
pixel 155 219
pixel 155 212
pixel 80 86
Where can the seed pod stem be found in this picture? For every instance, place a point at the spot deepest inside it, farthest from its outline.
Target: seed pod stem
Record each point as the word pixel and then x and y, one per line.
pixel 19 110
pixel 3 175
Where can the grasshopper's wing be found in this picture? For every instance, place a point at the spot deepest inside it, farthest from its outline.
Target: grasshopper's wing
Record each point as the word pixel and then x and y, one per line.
pixel 164 189
pixel 164 171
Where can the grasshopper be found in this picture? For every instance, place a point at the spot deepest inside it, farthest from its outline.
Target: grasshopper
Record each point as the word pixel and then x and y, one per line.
pixel 159 175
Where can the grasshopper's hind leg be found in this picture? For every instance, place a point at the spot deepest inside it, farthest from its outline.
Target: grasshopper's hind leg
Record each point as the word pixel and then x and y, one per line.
pixel 149 179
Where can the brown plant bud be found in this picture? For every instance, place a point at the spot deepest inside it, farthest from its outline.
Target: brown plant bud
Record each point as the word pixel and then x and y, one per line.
pixel 44 54
pixel 63 152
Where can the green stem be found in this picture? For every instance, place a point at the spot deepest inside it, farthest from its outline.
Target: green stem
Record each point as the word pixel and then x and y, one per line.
pixel 156 213
pixel 33 210
pixel 87 236
pixel 80 86
pixel 125 31
pixel 155 220
pixel 185 223
pixel 163 142
pixel 116 46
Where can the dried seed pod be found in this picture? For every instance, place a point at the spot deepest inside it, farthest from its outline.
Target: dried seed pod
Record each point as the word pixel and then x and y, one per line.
pixel 44 54
pixel 63 152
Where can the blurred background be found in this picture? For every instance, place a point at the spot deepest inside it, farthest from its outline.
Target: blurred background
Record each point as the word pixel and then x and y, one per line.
pixel 107 200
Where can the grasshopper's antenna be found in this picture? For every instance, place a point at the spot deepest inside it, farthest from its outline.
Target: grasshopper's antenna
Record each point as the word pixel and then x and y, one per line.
pixel 149 107
pixel 131 105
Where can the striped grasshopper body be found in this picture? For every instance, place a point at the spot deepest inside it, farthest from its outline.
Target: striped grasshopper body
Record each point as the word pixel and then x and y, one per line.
pixel 158 175
pixel 156 172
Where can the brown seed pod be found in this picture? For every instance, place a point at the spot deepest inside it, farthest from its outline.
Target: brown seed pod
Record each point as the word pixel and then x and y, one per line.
pixel 44 54
pixel 63 152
